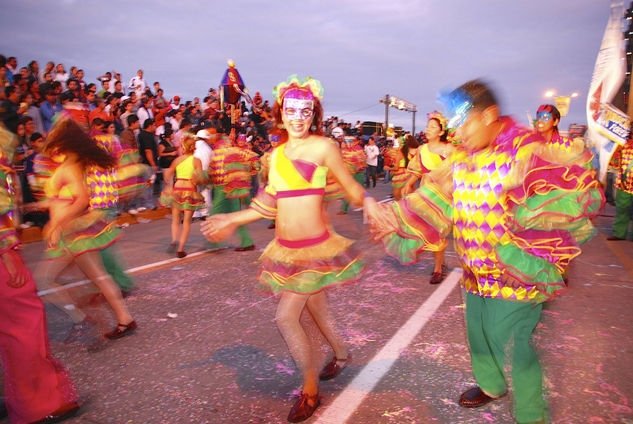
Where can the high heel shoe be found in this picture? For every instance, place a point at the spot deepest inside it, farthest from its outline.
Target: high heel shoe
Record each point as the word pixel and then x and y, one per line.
pixel 121 330
pixel 302 410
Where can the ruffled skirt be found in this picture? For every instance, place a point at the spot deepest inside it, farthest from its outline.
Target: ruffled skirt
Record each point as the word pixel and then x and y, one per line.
pixel 309 266
pixel 85 233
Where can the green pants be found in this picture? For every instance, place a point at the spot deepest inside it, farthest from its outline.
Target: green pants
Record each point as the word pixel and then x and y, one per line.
pixel 623 210
pixel 360 179
pixel 490 324
pixel 111 261
pixel 113 267
pixel 223 205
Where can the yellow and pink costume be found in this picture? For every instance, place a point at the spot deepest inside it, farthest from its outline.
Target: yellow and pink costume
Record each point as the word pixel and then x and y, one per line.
pixel 424 161
pixel 309 265
pixel 185 195
pixel 400 175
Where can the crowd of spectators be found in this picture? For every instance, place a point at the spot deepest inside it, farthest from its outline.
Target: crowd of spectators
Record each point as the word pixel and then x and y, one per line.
pixel 137 112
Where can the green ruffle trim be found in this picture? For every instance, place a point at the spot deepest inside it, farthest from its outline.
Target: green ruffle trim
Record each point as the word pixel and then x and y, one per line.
pixel 310 281
pixel 532 270
pixel 561 210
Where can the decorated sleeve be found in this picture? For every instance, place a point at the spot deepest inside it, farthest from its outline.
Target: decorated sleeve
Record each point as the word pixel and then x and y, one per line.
pixel 265 203
pixel 549 216
pixel 424 218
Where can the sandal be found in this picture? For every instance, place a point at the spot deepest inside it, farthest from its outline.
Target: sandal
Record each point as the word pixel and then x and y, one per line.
pixel 334 367
pixel 121 330
pixel 302 410
pixel 181 254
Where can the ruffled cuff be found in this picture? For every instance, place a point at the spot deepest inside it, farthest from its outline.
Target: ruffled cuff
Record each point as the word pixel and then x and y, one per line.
pixel 531 271
pixel 424 220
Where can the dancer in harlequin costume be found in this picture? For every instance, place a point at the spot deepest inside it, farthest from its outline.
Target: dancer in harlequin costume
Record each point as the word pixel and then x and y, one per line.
pixel 77 231
pixel 224 154
pixel 184 198
pixel 304 258
pixel 624 193
pixel 517 220
pixel 104 197
pixel 241 165
pixel 356 161
pixel 37 387
pixel 427 158
pixel 399 164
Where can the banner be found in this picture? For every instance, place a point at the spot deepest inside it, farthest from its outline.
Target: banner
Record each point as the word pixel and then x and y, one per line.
pixel 605 122
pixel 562 104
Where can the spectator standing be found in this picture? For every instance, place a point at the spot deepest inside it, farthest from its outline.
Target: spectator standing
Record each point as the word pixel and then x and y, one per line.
pixel 10 111
pixel 149 156
pixel 49 109
pixel 372 152
pixel 61 75
pixel 137 83
pixel 204 152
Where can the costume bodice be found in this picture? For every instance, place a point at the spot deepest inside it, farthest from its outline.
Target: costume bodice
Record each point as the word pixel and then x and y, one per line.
pixel 294 177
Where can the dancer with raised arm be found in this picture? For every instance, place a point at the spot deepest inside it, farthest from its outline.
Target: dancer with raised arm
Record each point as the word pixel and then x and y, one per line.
pixel 518 213
pixel 304 258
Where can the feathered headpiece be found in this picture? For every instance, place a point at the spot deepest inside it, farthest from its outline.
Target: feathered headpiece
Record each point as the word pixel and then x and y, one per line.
pixel 294 82
pixel 440 118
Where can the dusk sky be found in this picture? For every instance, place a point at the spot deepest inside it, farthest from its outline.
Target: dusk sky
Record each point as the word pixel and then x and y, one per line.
pixel 359 49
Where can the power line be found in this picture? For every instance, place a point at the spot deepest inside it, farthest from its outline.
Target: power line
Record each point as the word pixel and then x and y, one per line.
pixel 358 110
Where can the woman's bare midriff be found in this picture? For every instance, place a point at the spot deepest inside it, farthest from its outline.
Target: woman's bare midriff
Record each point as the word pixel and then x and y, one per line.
pixel 300 218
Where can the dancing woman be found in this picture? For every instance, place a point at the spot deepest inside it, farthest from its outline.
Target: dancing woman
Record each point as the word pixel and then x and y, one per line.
pixel 75 232
pixel 427 158
pixel 304 258
pixel 399 167
pixel 185 198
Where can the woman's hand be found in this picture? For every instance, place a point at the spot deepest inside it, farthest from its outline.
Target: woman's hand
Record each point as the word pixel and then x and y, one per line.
pixel 52 234
pixel 380 218
pixel 217 227
pixel 18 273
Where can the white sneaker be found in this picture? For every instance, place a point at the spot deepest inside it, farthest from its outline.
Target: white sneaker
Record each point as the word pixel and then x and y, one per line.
pixel 132 211
pixel 142 208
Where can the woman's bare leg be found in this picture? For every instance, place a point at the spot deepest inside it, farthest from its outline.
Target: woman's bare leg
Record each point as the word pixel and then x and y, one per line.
pixel 175 224
pixel 90 264
pixel 186 227
pixel 439 260
pixel 317 305
pixel 288 321
pixel 46 275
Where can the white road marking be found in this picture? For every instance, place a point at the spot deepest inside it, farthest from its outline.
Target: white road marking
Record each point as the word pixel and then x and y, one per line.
pixel 349 399
pixel 129 271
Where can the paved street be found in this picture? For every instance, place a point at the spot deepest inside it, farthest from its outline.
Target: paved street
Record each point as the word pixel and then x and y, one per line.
pixel 207 349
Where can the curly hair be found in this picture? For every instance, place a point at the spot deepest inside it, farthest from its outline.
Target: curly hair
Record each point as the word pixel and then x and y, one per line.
pixel 188 143
pixel 68 137
pixel 409 143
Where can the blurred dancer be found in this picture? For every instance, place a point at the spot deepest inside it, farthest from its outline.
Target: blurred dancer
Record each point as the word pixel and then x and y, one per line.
pixel 304 258
pixel 404 154
pixel 427 158
pixel 184 198
pixel 76 232
pixel 356 162
pixel 518 214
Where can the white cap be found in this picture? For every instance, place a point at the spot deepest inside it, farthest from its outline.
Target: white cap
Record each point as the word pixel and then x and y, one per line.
pixel 203 134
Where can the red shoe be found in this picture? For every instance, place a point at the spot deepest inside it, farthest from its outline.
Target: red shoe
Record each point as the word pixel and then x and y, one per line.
pixel 302 410
pixel 334 368
pixel 245 248
pixel 181 254
pixel 60 414
pixel 475 397
pixel 121 330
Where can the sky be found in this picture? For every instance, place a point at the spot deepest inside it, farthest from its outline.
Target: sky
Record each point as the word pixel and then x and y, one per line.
pixel 359 49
